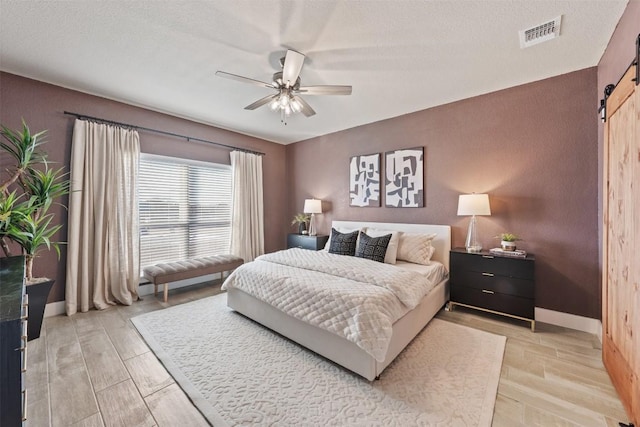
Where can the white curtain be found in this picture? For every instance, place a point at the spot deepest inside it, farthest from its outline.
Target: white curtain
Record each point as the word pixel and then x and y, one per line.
pixel 103 260
pixel 247 212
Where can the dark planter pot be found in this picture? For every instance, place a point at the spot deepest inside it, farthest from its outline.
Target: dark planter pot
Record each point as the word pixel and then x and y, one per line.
pixel 302 227
pixel 38 295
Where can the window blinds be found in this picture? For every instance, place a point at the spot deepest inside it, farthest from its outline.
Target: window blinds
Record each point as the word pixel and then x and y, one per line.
pixel 185 209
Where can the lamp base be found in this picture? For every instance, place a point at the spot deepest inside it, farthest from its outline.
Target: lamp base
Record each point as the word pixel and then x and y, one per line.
pixel 312 225
pixel 472 243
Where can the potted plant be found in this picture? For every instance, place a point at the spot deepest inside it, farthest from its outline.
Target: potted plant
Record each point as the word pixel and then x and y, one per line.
pixel 302 220
pixel 27 192
pixel 508 241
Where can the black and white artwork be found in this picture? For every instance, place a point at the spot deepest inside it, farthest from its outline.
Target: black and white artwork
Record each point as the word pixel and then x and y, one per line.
pixel 364 180
pixel 404 178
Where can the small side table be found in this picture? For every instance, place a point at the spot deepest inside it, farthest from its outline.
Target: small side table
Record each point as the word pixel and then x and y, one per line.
pixel 304 241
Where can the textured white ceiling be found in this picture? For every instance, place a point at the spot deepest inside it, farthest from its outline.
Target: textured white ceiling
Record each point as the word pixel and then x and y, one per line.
pixel 400 56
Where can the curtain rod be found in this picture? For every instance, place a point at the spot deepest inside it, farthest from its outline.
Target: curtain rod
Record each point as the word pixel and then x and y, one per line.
pixel 162 132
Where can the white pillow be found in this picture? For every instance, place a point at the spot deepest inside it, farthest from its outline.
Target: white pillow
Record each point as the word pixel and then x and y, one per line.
pixel 416 248
pixel 392 248
pixel 343 230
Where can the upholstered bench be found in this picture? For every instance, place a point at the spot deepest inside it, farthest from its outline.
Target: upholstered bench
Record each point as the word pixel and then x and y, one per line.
pixel 165 273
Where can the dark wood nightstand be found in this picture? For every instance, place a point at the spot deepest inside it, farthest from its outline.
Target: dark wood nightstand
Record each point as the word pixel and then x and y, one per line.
pixel 304 241
pixel 495 284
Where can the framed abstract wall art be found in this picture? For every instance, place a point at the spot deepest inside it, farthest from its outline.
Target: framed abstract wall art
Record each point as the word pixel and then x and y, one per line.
pixel 404 178
pixel 364 180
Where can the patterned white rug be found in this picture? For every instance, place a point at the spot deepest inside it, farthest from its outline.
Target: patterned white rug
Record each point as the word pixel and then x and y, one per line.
pixel 239 373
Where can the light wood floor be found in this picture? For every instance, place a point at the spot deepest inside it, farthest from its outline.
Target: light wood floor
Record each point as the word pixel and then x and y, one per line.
pixel 94 369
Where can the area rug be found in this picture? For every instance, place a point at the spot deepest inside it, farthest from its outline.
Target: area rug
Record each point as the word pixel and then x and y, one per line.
pixel 237 372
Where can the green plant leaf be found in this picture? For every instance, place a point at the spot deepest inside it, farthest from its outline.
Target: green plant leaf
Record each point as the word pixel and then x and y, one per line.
pixel 299 218
pixel 507 237
pixel 24 216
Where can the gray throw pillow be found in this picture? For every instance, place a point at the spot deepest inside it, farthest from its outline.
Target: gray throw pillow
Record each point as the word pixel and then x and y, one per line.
pixel 373 248
pixel 343 243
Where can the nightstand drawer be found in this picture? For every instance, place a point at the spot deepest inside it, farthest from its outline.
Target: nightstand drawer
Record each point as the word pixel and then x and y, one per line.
pixel 483 263
pixel 303 241
pixel 496 283
pixel 508 304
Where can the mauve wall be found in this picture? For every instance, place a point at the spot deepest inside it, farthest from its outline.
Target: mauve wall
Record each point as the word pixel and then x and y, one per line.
pixel 42 106
pixel 533 148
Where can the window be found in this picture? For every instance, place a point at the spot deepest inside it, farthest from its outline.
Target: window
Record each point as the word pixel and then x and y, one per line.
pixel 185 209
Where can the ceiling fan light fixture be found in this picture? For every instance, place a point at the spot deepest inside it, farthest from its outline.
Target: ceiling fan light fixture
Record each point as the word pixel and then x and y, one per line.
pixel 295 106
pixel 284 99
pixel 287 86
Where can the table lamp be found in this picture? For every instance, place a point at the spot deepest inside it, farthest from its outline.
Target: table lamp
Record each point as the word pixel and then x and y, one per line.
pixel 473 204
pixel 313 207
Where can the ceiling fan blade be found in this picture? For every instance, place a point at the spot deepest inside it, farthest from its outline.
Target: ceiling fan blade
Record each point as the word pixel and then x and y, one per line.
pixel 292 65
pixel 306 108
pixel 243 79
pixel 260 102
pixel 325 90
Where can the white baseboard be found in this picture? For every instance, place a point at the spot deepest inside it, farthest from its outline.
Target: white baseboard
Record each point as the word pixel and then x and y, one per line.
pixel 571 321
pixel 54 309
pixel 58 307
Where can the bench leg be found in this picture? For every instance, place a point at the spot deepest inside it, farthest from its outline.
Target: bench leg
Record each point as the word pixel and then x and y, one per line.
pixel 166 292
pixel 155 289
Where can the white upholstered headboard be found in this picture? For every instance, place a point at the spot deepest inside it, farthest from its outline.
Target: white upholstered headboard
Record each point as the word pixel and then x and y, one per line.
pixel 442 242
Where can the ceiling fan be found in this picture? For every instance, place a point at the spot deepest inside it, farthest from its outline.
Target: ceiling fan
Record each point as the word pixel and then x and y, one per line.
pixel 286 83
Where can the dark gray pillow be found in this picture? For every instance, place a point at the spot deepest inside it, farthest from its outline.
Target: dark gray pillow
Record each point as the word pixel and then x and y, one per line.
pixel 343 243
pixel 373 248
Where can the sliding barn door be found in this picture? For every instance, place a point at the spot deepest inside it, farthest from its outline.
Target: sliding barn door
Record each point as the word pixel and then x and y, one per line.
pixel 621 243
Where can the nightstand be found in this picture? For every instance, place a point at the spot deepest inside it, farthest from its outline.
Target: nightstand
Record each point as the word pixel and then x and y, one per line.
pixel 495 284
pixel 304 241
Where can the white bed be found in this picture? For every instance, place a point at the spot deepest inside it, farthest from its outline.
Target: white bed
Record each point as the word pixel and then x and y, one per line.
pixel 337 348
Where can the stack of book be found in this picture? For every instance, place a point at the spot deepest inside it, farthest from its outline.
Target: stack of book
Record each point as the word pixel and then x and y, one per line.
pixel 515 254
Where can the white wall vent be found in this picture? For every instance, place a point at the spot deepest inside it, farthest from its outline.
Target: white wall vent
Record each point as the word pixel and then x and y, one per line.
pixel 540 33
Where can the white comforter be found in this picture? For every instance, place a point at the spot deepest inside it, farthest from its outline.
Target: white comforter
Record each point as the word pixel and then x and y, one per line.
pixel 355 298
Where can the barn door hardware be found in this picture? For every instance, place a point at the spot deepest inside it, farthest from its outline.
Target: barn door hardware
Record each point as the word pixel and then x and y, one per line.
pixel 603 102
pixel 637 61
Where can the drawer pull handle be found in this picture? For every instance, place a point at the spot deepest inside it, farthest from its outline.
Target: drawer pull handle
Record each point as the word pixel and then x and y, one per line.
pixel 25 306
pixel 486 291
pixel 24 359
pixel 24 405
pixel 487 256
pixel 488 274
pixel 24 331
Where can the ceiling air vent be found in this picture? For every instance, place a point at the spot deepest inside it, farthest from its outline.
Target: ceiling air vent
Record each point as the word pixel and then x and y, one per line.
pixel 540 33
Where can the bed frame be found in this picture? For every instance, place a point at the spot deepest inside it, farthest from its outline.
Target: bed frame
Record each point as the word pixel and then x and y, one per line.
pixel 338 349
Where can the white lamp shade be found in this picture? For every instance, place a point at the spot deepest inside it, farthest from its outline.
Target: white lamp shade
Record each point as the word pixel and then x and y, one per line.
pixel 474 204
pixel 312 206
